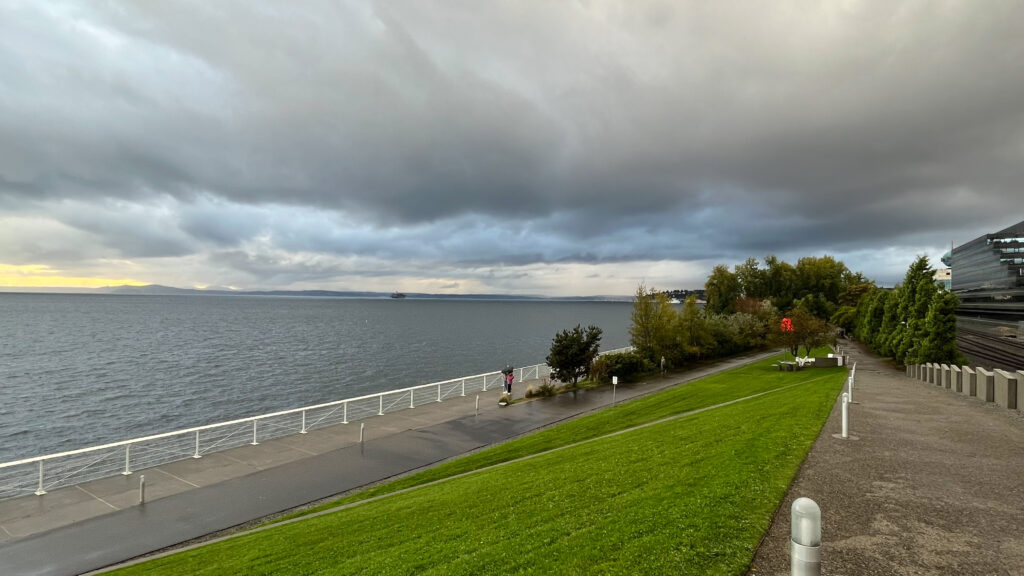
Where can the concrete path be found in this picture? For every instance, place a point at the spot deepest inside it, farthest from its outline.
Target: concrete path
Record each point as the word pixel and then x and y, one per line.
pixel 97 524
pixel 934 484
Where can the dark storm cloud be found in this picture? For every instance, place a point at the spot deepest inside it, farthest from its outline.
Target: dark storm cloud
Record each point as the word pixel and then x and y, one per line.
pixel 517 133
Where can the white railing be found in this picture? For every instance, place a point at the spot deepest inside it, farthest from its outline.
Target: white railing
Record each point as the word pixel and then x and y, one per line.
pixel 41 473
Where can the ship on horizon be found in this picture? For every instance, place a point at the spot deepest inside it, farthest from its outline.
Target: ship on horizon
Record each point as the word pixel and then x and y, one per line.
pixel 397 295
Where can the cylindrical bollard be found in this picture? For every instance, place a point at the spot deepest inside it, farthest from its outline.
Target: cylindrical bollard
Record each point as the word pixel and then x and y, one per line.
pixel 615 384
pixel 846 414
pixel 362 426
pixel 142 489
pixel 477 404
pixel 805 538
pixel 849 382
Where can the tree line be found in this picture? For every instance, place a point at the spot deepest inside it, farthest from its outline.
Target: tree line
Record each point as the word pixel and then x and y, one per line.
pixel 819 298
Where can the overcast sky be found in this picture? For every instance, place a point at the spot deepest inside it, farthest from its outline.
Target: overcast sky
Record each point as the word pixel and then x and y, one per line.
pixel 549 148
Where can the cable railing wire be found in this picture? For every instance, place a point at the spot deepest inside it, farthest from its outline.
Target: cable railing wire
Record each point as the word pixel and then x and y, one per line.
pixel 42 473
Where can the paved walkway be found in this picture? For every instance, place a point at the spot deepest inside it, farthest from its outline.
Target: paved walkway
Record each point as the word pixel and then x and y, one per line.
pixel 97 524
pixel 933 485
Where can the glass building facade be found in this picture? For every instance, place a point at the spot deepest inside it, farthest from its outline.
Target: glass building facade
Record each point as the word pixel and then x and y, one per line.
pixel 988 276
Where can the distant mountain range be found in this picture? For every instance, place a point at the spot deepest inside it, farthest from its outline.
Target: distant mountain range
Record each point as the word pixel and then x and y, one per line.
pixel 158 290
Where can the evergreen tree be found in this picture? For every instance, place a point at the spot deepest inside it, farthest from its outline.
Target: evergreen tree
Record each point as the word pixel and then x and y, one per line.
pixel 917 329
pixel 939 344
pixel 904 336
pixel 572 353
pixel 890 319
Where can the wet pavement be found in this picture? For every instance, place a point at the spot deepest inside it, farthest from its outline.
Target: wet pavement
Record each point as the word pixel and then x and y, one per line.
pixel 100 523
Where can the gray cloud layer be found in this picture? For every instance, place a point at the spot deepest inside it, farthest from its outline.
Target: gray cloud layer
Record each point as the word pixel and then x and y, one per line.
pixel 468 134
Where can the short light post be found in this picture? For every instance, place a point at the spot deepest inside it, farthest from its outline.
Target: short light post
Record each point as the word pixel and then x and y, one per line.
pixel 615 383
pixel 805 538
pixel 142 489
pixel 846 415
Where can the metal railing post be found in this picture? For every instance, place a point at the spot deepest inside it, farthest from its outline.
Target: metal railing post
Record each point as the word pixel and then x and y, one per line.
pixel 463 386
pixel 303 431
pixel 127 457
pixel 439 392
pixel 484 389
pixel 381 411
pixel 344 417
pixel 40 491
pixel 254 442
pixel 412 398
pixel 197 455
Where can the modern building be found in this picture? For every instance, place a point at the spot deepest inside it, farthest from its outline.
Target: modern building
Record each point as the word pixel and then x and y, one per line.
pixel 988 277
pixel 944 278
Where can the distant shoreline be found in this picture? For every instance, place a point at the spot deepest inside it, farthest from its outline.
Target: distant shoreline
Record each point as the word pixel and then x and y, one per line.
pixel 158 290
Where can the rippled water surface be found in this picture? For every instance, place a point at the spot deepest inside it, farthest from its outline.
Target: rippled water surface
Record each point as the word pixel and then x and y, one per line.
pixel 80 370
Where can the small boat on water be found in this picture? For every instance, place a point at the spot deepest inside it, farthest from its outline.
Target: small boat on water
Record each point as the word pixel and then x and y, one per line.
pixel 397 295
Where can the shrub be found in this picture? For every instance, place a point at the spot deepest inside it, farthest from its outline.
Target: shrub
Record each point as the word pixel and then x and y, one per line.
pixel 626 365
pixel 545 389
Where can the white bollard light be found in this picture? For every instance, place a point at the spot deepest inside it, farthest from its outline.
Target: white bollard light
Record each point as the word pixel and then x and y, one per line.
pixel 615 383
pixel 477 404
pixel 850 387
pixel 846 415
pixel 142 489
pixel 362 426
pixel 805 538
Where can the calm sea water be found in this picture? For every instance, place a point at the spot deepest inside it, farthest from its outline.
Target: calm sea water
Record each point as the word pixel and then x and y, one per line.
pixel 80 370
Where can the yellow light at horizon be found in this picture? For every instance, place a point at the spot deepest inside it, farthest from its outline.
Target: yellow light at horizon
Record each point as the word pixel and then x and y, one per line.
pixel 42 276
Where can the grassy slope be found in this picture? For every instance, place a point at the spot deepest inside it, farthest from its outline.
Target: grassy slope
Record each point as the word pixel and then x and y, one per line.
pixel 687 496
pixel 730 385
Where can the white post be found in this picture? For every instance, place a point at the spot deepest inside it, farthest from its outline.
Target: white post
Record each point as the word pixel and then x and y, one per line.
pixel 303 431
pixel 615 383
pixel 344 417
pixel 805 538
pixel 477 404
pixel 40 491
pixel 362 427
pixel 484 389
pixel 127 456
pixel 197 455
pixel 846 414
pixel 463 386
pixel 412 398
pixel 381 411
pixel 254 442
pixel 849 382
pixel 142 489
pixel 439 392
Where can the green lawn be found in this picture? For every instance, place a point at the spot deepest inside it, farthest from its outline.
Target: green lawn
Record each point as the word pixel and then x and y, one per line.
pixel 689 495
pixel 710 391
